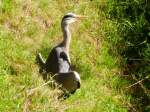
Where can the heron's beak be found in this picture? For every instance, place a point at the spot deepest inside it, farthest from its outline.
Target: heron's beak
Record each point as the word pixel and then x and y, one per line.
pixel 80 17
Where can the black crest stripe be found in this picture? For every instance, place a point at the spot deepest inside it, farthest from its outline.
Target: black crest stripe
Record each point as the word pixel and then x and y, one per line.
pixel 67 16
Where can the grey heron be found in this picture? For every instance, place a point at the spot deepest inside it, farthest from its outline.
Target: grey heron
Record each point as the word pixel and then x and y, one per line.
pixel 58 62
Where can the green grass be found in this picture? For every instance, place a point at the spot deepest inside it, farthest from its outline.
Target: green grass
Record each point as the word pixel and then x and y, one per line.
pixel 29 26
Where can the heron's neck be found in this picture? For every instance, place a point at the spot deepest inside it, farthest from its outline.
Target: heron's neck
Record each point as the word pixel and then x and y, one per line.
pixel 67 37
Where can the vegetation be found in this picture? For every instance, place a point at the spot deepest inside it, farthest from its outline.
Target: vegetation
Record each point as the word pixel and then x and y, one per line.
pixel 131 19
pixel 101 51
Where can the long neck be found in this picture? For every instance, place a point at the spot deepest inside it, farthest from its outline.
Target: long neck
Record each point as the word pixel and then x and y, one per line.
pixel 67 37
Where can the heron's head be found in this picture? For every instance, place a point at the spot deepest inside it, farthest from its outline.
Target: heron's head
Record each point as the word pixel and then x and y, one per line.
pixel 71 18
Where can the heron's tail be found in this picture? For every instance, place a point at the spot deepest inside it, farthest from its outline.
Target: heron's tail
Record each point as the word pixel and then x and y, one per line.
pixel 40 61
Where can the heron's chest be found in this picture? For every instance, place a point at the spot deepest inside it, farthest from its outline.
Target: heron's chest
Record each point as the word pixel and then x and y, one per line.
pixel 63 61
pixel 64 66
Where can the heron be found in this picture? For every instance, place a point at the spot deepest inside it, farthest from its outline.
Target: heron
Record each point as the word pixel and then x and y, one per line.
pixel 58 62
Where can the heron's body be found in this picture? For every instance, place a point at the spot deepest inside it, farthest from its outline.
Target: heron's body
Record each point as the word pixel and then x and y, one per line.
pixel 58 61
pixel 58 56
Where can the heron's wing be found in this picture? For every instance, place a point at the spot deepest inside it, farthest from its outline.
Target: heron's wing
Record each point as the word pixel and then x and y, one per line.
pixel 64 64
pixel 51 63
pixel 70 81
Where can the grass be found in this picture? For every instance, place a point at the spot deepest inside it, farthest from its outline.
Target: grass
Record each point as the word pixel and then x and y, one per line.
pixel 29 26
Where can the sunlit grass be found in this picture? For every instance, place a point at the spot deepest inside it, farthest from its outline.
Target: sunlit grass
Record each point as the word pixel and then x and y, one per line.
pixel 35 26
